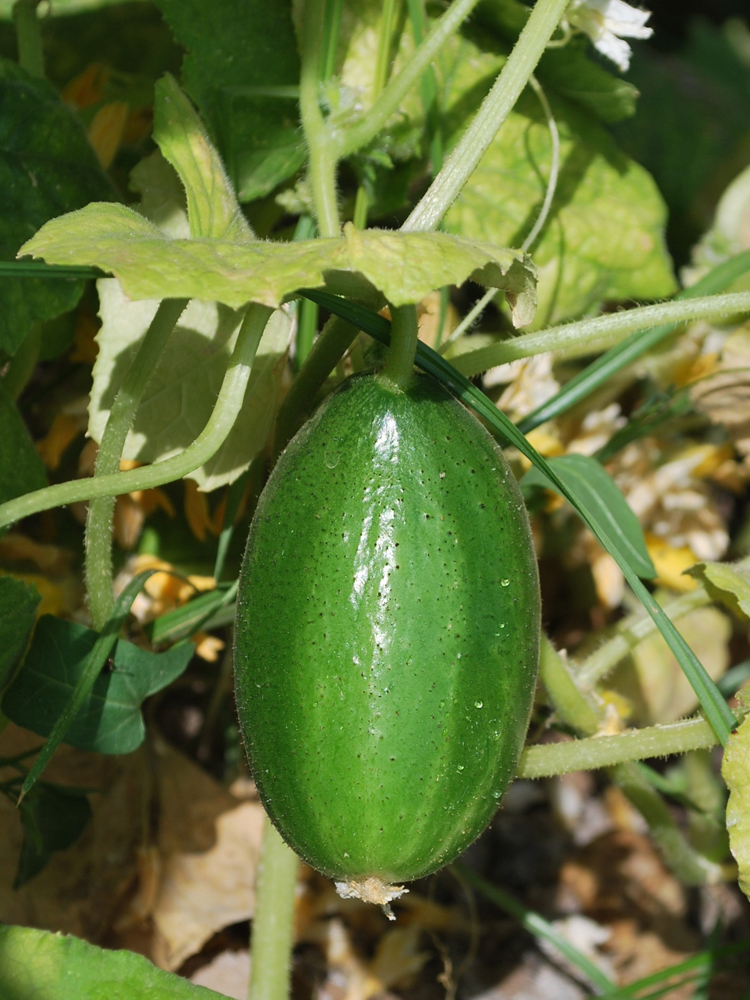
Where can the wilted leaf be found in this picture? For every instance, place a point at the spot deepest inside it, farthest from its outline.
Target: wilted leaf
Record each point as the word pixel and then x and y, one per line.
pixel 735 770
pixel 238 78
pixel 21 468
pixel 182 392
pixel 403 266
pixel 18 604
pixel 110 719
pixel 46 167
pixel 81 889
pixel 48 966
pixel 727 583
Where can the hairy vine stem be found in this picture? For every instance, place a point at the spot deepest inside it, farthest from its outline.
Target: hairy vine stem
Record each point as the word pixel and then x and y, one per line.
pixel 120 420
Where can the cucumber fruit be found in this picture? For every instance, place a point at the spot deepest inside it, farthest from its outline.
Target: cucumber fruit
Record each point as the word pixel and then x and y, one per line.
pixel 387 633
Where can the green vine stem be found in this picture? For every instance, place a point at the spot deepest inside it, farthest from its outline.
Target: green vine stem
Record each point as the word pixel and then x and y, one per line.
pixel 575 710
pixel 273 923
pixel 629 632
pixel 208 442
pixel 351 137
pixel 29 37
pixel 688 865
pixel 321 160
pixel 497 105
pixel 101 511
pixel 399 364
pixel 588 335
pixel 324 355
pixel 592 752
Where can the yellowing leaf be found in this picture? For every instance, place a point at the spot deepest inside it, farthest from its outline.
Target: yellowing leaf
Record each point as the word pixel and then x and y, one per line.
pixel 735 770
pixel 404 267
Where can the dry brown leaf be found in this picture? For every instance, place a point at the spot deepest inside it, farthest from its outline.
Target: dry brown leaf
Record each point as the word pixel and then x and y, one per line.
pixel 209 844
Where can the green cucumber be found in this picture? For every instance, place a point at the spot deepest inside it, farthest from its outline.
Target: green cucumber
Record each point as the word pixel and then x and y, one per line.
pixel 387 633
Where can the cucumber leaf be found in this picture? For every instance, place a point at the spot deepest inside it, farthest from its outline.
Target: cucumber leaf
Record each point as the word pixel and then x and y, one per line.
pixel 47 166
pixel 604 236
pixel 49 966
pixel 603 502
pixel 712 702
pixel 403 266
pixel 109 719
pixel 18 604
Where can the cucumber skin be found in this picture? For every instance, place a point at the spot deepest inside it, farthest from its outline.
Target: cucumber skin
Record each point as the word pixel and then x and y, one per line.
pixel 387 630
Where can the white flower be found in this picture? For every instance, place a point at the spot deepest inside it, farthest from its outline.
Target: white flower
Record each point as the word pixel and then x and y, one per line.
pixel 607 22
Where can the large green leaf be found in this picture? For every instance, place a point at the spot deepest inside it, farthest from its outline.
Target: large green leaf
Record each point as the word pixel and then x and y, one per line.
pixel 182 392
pixel 47 167
pixel 110 719
pixel 603 238
pixel 49 966
pixel 403 266
pixel 18 604
pixel 240 53
pixel 21 469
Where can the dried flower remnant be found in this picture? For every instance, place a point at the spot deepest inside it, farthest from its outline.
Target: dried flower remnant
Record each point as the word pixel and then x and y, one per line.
pixel 607 23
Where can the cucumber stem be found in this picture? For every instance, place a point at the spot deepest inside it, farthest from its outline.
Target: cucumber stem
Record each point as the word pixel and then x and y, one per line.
pixel 273 923
pixel 398 369
pixel 121 416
